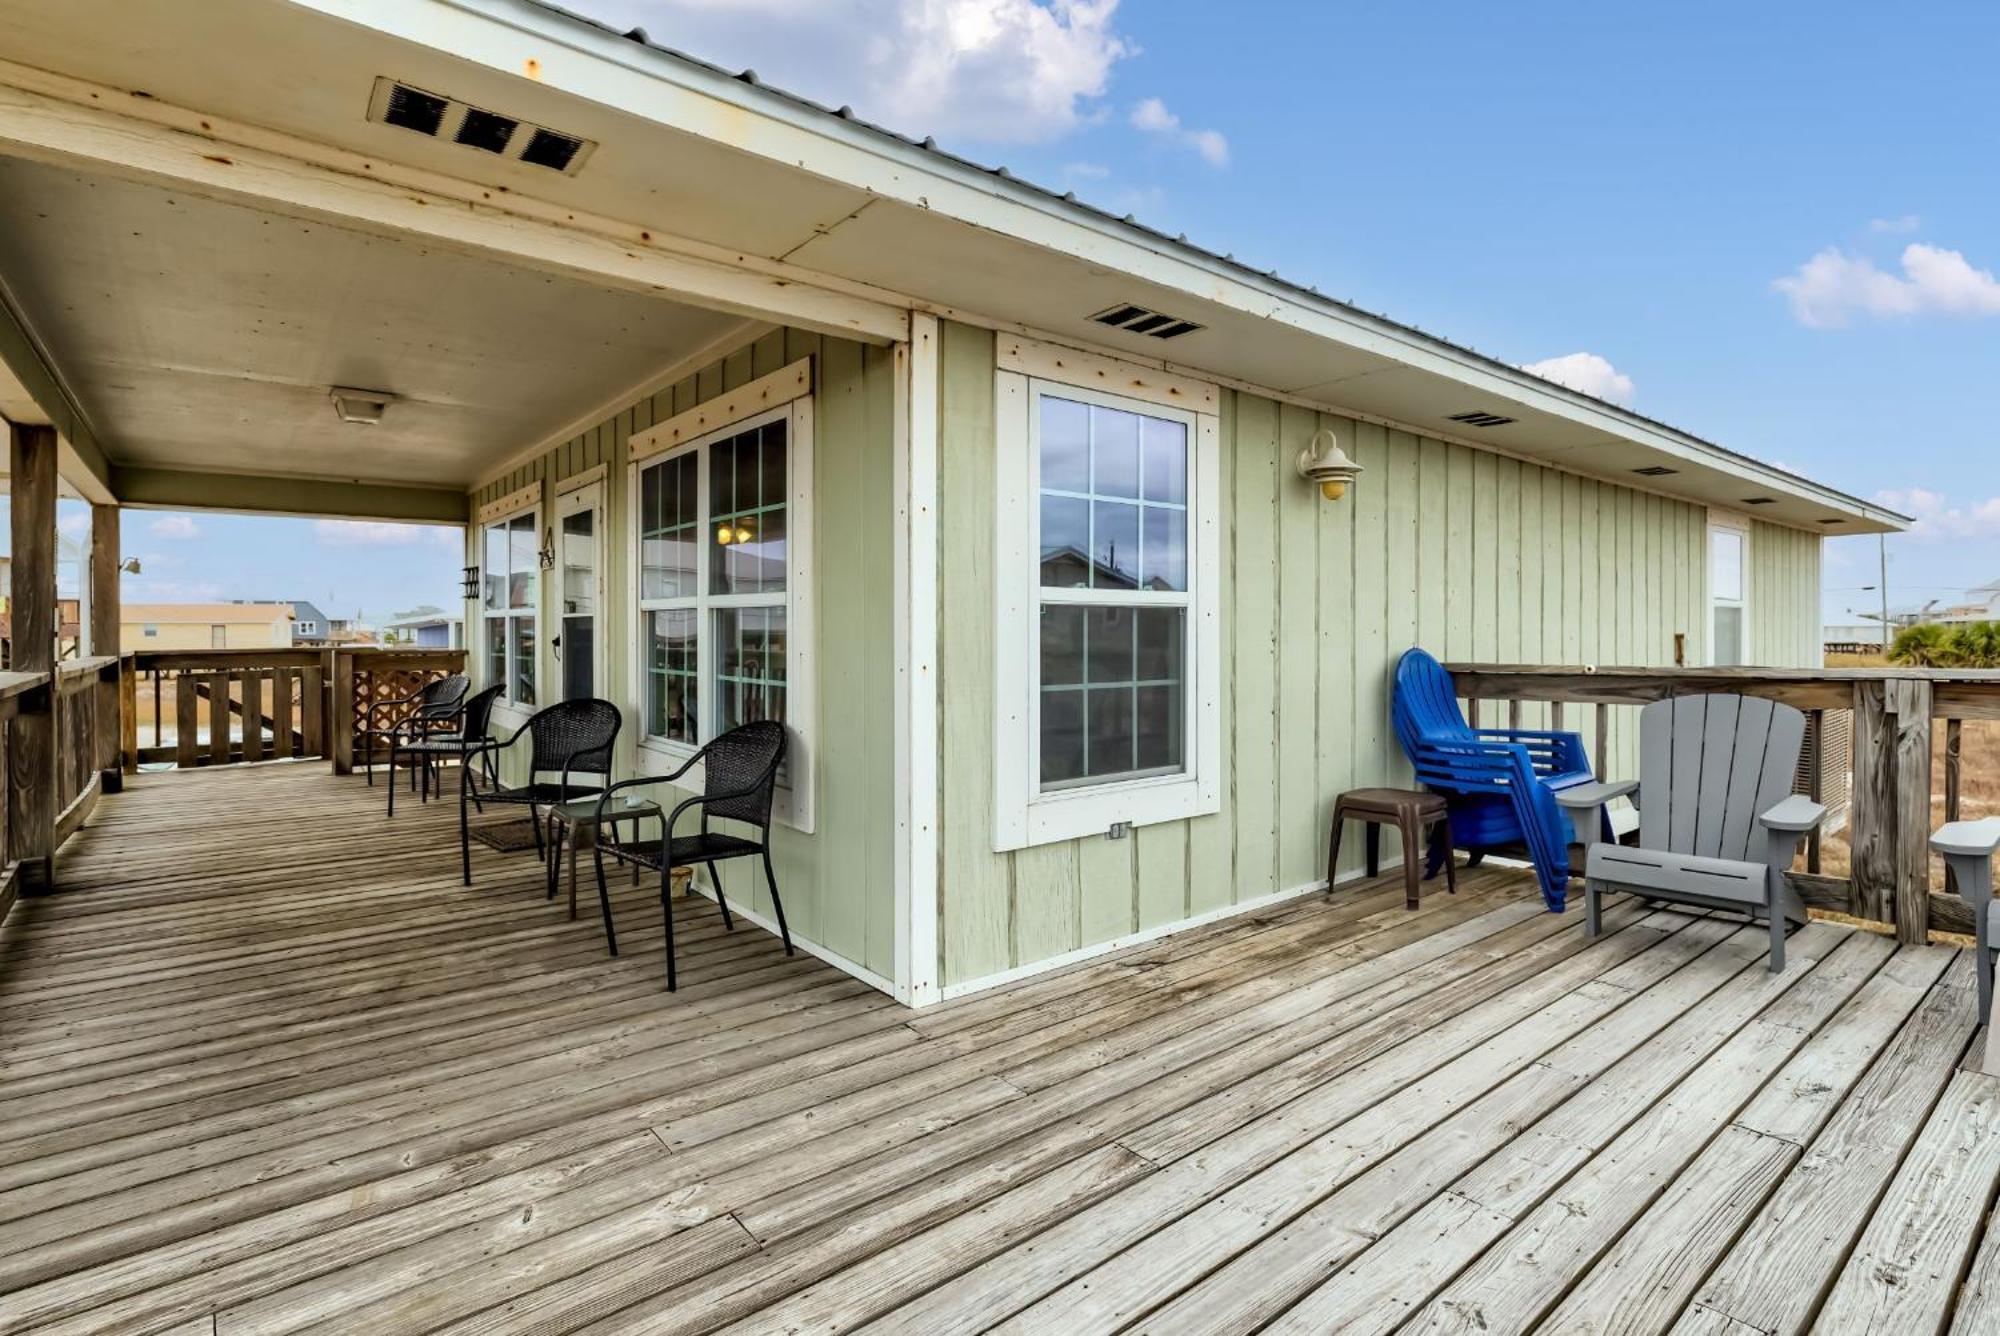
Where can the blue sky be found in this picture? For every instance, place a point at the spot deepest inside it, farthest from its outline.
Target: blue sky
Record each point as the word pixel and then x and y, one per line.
pixel 1772 225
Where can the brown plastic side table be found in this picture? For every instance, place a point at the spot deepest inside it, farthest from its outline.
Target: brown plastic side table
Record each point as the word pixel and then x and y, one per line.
pixel 1412 813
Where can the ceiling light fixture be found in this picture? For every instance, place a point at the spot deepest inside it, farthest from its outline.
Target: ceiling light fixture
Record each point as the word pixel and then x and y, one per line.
pixel 362 407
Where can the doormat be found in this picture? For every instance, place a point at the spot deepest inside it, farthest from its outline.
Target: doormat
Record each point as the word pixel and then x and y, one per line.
pixel 507 837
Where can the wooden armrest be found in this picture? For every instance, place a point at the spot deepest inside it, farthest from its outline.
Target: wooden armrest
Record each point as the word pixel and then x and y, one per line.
pixel 1794 816
pixel 1976 839
pixel 1581 797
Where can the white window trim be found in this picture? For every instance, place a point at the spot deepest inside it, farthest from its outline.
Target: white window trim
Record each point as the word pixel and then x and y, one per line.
pixel 1740 525
pixel 795 802
pixel 1024 815
pixel 508 710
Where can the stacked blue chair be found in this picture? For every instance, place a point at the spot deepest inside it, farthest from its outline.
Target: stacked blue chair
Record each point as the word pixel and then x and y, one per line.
pixel 1500 783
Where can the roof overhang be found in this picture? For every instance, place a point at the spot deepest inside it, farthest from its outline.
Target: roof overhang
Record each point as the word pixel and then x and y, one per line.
pixel 710 188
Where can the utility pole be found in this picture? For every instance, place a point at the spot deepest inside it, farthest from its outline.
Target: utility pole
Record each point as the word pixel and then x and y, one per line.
pixel 1882 549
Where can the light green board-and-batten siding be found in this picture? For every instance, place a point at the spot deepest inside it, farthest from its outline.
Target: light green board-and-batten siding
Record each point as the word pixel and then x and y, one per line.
pixel 839 883
pixel 1784 589
pixel 1469 554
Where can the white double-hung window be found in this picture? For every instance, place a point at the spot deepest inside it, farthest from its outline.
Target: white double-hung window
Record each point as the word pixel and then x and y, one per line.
pixel 723 520
pixel 1106 573
pixel 1728 550
pixel 509 594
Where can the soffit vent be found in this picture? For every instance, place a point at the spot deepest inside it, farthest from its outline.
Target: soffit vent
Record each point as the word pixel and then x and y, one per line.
pixel 1138 320
pixel 436 116
pixel 1481 419
pixel 1760 500
pixel 1655 471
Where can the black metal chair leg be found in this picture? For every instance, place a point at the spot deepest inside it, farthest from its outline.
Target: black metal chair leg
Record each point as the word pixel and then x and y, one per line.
pixel 392 776
pixel 771 879
pixel 554 856
pixel 604 899
pixel 667 912
pixel 464 826
pixel 715 880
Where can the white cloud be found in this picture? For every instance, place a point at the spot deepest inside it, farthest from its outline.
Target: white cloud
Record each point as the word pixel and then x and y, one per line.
pixel 368 533
pixel 171 591
pixel 177 527
pixel 1908 222
pixel 1153 117
pixel 1586 373
pixel 1937 518
pixel 1834 286
pixel 1085 171
pixel 999 71
pixel 75 524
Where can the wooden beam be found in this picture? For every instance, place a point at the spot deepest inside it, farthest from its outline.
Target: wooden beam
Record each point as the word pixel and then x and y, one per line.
pixel 173 489
pixel 1872 806
pixel 31 740
pixel 103 639
pixel 1910 699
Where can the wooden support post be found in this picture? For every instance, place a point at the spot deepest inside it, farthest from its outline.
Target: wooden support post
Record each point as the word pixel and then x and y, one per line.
pixel 128 713
pixel 1603 742
pixel 1816 743
pixel 1910 698
pixel 103 639
pixel 31 741
pixel 341 744
pixel 1952 729
pixel 1872 821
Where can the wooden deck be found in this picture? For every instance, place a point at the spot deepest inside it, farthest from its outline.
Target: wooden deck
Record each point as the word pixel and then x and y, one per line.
pixel 265 1066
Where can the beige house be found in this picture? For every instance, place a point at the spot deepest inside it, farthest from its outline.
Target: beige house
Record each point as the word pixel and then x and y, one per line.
pixel 157 626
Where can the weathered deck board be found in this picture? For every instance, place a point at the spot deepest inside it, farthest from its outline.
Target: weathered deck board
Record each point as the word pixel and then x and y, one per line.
pixel 269 1067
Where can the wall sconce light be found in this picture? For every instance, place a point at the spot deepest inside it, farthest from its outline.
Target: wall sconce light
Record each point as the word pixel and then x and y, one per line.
pixel 547 556
pixel 130 565
pixel 1324 462
pixel 469 582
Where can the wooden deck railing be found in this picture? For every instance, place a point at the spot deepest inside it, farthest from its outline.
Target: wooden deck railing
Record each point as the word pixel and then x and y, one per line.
pixel 1890 815
pixel 58 753
pixel 222 707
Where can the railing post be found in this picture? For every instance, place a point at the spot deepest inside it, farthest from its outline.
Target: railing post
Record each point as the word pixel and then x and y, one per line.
pixel 1911 704
pixel 103 639
pixel 341 744
pixel 31 743
pixel 1872 820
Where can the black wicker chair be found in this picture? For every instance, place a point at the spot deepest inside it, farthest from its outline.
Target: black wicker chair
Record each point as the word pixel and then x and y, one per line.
pixel 739 781
pixel 470 738
pixel 436 706
pixel 569 739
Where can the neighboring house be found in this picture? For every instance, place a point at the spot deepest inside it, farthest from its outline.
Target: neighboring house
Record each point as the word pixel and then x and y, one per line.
pixel 427 627
pixel 310 626
pixel 756 410
pixel 69 609
pixel 186 626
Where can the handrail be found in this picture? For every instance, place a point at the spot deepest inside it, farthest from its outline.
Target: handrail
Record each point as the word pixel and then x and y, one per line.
pixel 1893 711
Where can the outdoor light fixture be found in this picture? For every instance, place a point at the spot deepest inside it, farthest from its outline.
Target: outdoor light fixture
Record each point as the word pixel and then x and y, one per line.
pixel 725 534
pixel 547 556
pixel 130 565
pixel 469 583
pixel 1324 462
pixel 363 408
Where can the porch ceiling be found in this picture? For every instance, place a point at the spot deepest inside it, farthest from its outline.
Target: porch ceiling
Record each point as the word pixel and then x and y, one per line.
pixel 202 335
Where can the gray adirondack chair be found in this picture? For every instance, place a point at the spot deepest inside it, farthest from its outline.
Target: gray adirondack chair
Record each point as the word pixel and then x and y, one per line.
pixel 1968 846
pixel 1718 822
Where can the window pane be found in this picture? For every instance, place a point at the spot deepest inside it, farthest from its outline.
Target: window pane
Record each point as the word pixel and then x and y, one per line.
pixel 1109 732
pixel 493 579
pixel 1160 658
pixel 1159 726
pixel 1065 542
pixel 1114 452
pixel 522 562
pixel 1727 648
pixel 522 633
pixel 747 526
pixel 771 469
pixel 1062 736
pixel 1114 545
pixel 1163 562
pixel 1725 547
pixel 1062 646
pixel 1164 451
pixel 747 641
pixel 1065 445
pixel 1108 646
pixel 668 531
pixel 496 650
pixel 671 674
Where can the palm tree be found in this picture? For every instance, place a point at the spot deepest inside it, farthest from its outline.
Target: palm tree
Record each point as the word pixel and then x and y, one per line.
pixel 1923 646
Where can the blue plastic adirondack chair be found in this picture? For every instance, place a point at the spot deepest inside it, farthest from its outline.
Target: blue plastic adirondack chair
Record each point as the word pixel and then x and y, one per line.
pixel 1500 783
